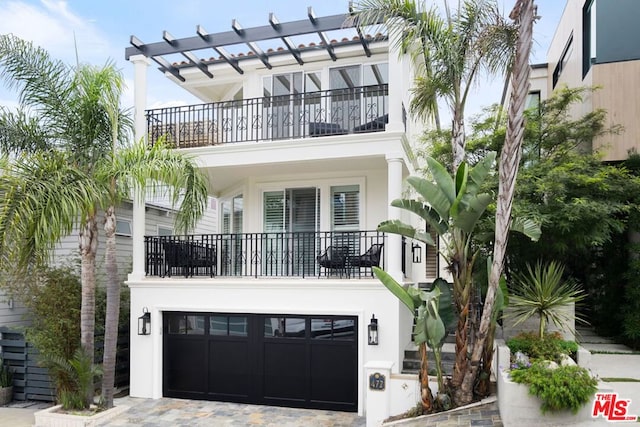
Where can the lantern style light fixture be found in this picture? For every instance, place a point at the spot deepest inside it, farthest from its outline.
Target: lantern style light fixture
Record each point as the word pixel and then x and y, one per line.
pixel 373 330
pixel 144 322
pixel 416 253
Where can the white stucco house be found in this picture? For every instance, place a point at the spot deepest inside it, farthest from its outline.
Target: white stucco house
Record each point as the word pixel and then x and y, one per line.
pixel 305 144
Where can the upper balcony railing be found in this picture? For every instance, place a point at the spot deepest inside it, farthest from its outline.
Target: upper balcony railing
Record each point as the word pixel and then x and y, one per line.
pixel 344 254
pixel 332 112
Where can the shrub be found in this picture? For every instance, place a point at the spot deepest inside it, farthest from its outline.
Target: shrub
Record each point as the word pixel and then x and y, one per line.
pixel 77 375
pixel 55 296
pixel 565 387
pixel 550 347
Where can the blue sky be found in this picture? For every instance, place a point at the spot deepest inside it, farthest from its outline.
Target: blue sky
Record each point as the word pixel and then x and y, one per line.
pixel 102 29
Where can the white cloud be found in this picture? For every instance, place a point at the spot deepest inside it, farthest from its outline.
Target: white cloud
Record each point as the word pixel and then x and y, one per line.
pixel 53 26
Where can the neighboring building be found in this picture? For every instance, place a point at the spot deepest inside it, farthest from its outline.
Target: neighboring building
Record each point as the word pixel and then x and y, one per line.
pixel 12 312
pixel 159 221
pixel 595 44
pixel 160 217
pixel 306 144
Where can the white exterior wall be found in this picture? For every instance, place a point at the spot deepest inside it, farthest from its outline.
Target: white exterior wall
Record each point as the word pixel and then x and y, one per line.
pixel 360 298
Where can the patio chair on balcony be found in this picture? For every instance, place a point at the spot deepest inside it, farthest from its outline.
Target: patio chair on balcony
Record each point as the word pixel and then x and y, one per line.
pixel 377 124
pixel 325 129
pixel 334 259
pixel 189 258
pixel 371 258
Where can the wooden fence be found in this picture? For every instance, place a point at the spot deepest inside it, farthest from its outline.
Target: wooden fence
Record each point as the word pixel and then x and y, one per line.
pixel 32 382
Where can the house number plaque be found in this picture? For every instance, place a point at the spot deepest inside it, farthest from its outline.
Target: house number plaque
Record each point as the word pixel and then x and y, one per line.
pixel 377 381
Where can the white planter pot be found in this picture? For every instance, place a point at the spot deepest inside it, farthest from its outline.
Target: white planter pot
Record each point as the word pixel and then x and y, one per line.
pixel 519 408
pixel 50 417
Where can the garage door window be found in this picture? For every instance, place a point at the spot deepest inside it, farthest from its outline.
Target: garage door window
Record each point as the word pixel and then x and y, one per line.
pixel 333 329
pixel 235 326
pixel 186 324
pixel 290 327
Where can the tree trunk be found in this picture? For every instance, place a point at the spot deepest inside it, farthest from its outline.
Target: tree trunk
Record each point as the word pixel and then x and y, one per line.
pixel 457 138
pixel 463 289
pixel 88 249
pixel 425 391
pixel 523 13
pixel 112 310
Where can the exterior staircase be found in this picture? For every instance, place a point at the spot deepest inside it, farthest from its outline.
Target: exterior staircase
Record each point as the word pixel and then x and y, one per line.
pixel 411 362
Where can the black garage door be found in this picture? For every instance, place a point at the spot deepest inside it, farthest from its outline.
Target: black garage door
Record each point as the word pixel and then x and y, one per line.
pixel 283 360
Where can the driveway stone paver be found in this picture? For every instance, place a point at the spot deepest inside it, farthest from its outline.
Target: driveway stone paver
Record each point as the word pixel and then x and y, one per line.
pixel 168 412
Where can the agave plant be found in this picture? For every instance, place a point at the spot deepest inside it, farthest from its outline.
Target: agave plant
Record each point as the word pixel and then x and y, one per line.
pixel 543 292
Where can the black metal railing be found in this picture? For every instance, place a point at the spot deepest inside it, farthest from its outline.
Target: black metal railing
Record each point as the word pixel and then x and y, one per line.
pixel 333 112
pixel 349 254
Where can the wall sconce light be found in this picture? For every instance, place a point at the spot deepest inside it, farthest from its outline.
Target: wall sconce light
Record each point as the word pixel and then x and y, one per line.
pixel 373 330
pixel 144 322
pixel 416 253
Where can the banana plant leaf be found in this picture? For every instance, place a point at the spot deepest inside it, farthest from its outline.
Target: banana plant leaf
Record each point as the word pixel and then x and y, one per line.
pixel 462 174
pixel 396 226
pixel 442 178
pixel 397 289
pixel 467 219
pixel 433 195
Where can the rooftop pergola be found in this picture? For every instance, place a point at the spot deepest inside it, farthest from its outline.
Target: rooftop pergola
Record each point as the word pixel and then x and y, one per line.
pixel 250 37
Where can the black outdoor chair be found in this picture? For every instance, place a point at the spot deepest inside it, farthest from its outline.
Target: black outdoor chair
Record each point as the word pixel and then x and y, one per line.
pixel 334 258
pixel 369 259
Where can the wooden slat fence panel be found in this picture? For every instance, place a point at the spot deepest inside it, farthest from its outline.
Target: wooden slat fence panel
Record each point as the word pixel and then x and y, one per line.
pixel 30 381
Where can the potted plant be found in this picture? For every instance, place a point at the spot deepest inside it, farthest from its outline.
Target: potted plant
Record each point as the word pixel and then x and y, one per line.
pixel 6 384
pixel 74 380
pixel 538 381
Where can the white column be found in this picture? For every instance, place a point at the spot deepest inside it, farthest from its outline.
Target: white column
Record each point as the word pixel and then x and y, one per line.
pixel 394 191
pixel 396 84
pixel 140 63
pixel 378 400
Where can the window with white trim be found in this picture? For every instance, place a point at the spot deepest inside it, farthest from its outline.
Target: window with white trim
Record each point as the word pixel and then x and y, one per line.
pixel 123 227
pixel 165 231
pixel 345 208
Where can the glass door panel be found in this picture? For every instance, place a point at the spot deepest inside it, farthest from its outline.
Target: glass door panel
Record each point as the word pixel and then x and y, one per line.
pixel 345 97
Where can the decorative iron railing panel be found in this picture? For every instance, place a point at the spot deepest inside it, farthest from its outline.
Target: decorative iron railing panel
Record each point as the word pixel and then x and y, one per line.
pixel 333 112
pixel 348 254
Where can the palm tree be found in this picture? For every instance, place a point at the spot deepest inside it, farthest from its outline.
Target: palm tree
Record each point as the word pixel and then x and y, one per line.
pixel 523 14
pixel 451 52
pixel 60 108
pixel 139 169
pixel 79 164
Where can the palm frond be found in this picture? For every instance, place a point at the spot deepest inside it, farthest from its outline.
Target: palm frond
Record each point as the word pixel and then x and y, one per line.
pixel 44 197
pixel 42 82
pixel 141 168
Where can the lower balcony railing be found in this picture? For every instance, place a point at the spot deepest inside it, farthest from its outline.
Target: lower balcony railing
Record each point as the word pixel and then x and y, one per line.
pixel 349 254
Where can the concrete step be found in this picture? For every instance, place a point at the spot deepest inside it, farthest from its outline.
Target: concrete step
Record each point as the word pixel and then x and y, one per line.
pixel 411 362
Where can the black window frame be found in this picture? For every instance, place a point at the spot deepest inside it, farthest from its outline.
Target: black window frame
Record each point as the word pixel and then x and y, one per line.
pixel 562 62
